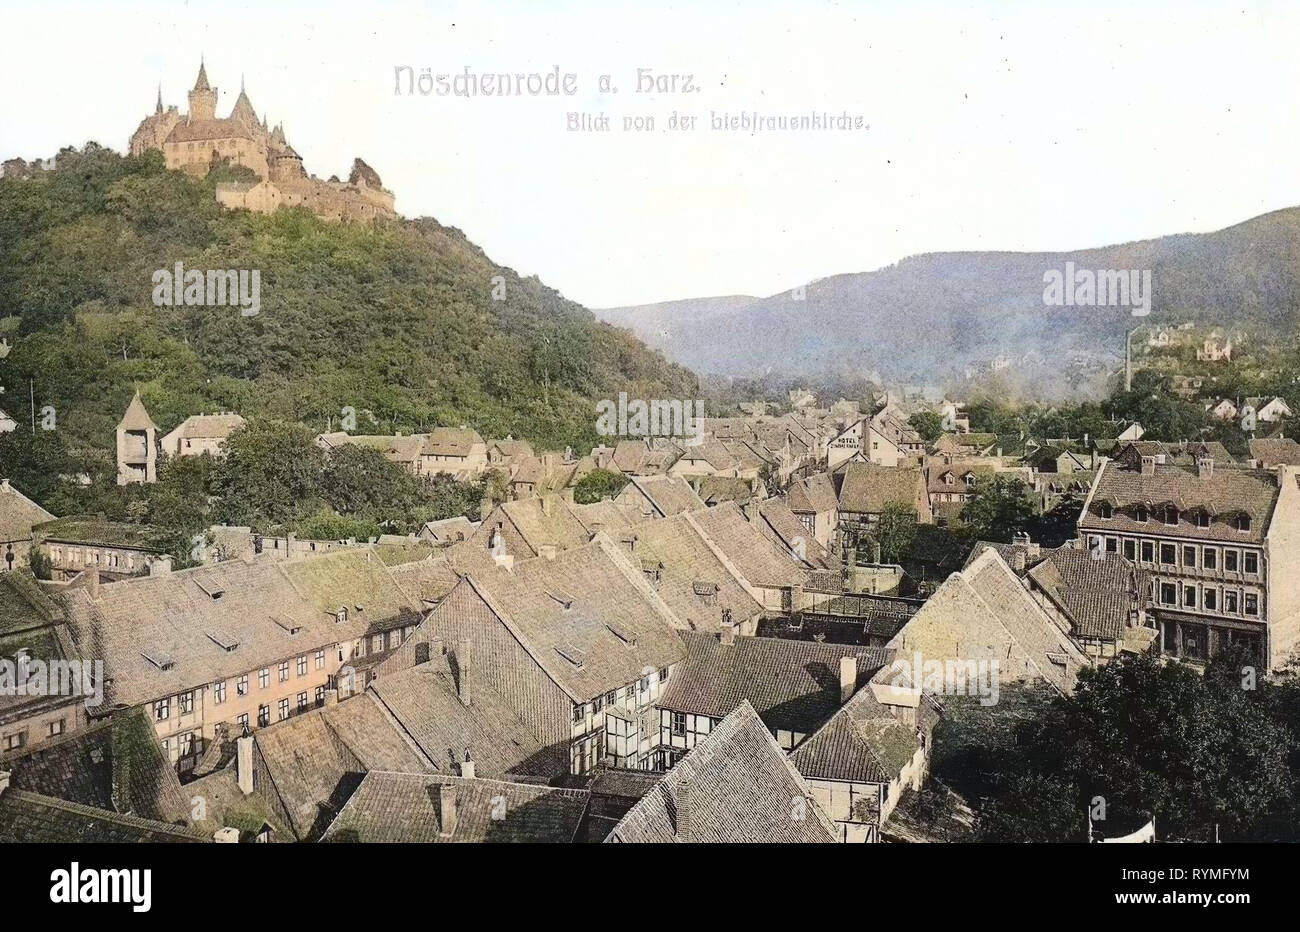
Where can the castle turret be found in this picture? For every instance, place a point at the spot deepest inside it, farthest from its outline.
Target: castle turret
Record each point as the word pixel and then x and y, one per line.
pixel 159 109
pixel 137 445
pixel 244 109
pixel 203 99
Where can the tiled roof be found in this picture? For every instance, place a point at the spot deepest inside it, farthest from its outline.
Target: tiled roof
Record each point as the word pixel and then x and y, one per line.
pixel 162 635
pixel 316 759
pixel 814 494
pixel 671 495
pixel 35 819
pixel 759 560
pixel 1226 492
pixel 428 580
pixel 675 557
pixel 424 703
pixel 793 685
pixel 403 807
pixel 1097 594
pixel 863 742
pixel 204 130
pixel 117 765
pixel 1269 453
pixel 867 488
pixel 738 786
pixel 716 489
pixel 206 426
pixel 17 515
pixel 786 530
pixel 589 618
pixel 136 417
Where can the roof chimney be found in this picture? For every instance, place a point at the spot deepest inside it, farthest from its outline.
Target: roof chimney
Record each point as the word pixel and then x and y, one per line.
pixel 548 505
pixel 4 486
pixel 160 566
pixel 462 672
pixel 92 581
pixel 467 766
pixel 226 836
pixel 684 810
pixel 728 632
pixel 848 678
pixel 244 763
pixel 447 808
pixel 1148 465
pixel 1205 466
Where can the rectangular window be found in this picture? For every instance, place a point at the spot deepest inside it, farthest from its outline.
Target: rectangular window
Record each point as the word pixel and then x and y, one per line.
pixel 302 702
pixel 320 660
pixel 679 723
pixel 242 720
pixel 15 741
pixel 1148 552
pixel 1230 560
pixel 219 692
pixel 186 703
pixel 320 695
pixel 579 714
pixel 1168 554
pixel 1189 597
pixel 162 710
pixel 1230 602
pixel 283 708
pixel 264 677
pixel 1112 545
pixel 1252 603
pixel 1211 598
pixel 284 672
pixel 1130 550
pixel 1189 556
pixel 263 715
pixel 56 728
pixel 1252 562
pixel 1210 559
pixel 663 675
pixel 241 685
pixel 302 665
pixel 1168 593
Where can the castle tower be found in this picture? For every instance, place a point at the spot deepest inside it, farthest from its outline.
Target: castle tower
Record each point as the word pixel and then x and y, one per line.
pixel 244 111
pixel 137 445
pixel 203 99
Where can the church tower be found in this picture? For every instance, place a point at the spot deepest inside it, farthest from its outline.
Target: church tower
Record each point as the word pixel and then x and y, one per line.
pixel 203 99
pixel 137 445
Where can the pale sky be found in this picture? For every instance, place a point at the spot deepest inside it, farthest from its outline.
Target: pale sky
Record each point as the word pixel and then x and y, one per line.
pixel 995 125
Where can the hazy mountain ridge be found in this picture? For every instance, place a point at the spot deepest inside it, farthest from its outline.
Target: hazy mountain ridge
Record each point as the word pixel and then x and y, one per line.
pixel 929 318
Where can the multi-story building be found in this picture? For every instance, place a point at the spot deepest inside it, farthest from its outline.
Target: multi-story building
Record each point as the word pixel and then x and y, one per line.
pixel 578 645
pixel 1219 543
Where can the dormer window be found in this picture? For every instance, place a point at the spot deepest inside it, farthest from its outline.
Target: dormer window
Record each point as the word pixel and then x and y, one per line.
pixel 1242 523
pixel 1202 518
pixel 1105 510
pixel 1140 514
pixel 1170 515
pixel 342 614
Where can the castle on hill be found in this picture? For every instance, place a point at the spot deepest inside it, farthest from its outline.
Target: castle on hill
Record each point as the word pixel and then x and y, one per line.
pixel 197 141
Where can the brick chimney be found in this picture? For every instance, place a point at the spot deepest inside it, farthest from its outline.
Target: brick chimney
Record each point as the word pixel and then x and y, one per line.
pixel 1205 467
pixel 848 678
pixel 467 766
pixel 1148 465
pixel 447 808
pixel 728 635
pixel 684 810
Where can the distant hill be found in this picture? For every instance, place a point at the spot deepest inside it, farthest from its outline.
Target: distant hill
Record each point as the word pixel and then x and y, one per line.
pixel 398 320
pixel 930 318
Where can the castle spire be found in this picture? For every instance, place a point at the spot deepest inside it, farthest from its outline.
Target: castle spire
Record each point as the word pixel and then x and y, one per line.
pixel 159 107
pixel 201 84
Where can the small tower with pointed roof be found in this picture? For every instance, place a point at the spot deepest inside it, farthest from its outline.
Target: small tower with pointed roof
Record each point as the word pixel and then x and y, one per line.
pixel 137 445
pixel 203 99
